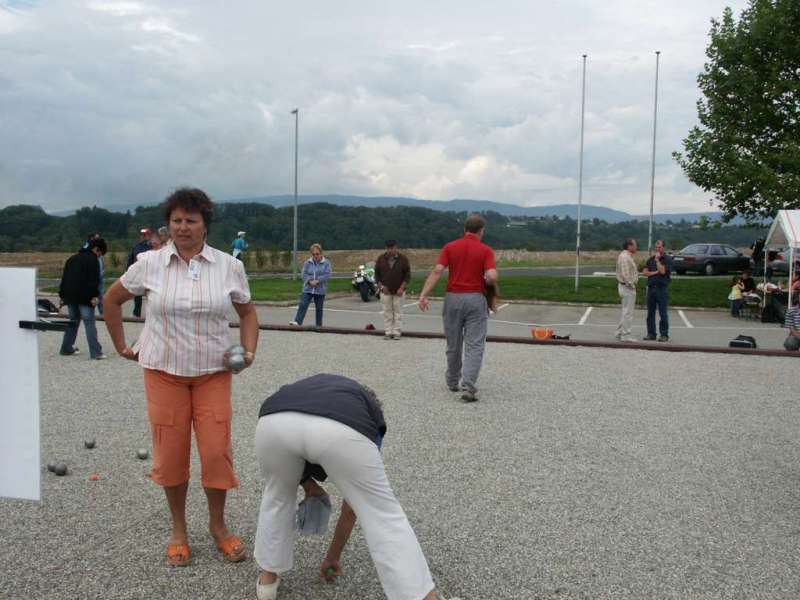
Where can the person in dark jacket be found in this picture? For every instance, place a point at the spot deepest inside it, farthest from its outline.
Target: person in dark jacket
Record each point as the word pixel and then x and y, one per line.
pixel 79 291
pixel 143 245
pixel 658 271
pixel 330 426
pixel 392 272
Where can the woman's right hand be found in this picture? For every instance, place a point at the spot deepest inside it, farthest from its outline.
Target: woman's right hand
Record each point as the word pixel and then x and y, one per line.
pixel 129 353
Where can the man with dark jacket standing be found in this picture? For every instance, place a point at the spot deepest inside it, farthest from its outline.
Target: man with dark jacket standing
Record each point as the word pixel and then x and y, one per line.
pixel 392 272
pixel 143 245
pixel 79 290
pixel 659 275
pixel 466 313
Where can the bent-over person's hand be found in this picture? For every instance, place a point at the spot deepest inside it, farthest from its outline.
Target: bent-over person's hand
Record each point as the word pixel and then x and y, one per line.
pixel 330 569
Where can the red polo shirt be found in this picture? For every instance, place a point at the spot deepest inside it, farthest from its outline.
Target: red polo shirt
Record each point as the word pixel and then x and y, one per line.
pixel 467 259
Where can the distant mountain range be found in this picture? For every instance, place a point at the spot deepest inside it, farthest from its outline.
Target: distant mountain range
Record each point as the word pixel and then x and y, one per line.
pixel 588 211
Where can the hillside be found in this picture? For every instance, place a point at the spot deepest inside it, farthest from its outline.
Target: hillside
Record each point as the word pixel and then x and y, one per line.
pixel 30 229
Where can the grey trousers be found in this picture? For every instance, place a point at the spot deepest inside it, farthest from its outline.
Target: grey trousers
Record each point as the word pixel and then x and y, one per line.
pixel 465 318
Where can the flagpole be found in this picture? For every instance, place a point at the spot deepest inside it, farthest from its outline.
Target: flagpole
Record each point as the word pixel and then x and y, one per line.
pixel 580 177
pixel 653 163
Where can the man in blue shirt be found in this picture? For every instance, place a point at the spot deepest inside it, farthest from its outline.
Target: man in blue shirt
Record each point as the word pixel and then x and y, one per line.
pixel 658 272
pixel 143 245
pixel 239 246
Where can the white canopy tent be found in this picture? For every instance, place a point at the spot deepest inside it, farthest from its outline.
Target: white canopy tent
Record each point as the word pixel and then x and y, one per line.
pixel 785 233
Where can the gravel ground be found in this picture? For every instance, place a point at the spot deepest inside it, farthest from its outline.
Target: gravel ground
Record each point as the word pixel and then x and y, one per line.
pixel 581 473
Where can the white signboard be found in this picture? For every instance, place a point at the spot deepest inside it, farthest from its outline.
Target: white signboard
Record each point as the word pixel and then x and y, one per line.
pixel 20 474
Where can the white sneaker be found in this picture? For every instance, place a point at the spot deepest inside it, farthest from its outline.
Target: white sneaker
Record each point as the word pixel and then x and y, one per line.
pixel 267 591
pixel 294 323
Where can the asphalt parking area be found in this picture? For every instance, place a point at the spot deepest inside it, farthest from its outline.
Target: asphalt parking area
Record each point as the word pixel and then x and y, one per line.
pixel 595 323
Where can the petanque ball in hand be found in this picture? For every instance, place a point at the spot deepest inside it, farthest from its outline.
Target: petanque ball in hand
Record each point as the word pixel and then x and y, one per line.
pixel 236 362
pixel 236 349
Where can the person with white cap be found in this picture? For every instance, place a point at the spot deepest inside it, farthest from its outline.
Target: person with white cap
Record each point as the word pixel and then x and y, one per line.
pixel 330 426
pixel 239 246
pixel 143 245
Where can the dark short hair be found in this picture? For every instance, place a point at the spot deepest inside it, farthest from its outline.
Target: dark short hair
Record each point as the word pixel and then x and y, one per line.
pixel 627 243
pixel 390 243
pixel 99 243
pixel 474 223
pixel 190 200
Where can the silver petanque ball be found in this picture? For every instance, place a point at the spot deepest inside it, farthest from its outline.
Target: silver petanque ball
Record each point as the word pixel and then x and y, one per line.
pixel 236 349
pixel 142 454
pixel 236 362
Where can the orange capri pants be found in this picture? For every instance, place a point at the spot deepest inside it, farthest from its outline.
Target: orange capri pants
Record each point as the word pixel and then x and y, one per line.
pixel 174 405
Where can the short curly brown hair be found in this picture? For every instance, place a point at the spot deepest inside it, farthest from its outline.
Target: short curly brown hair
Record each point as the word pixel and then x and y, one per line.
pixel 190 200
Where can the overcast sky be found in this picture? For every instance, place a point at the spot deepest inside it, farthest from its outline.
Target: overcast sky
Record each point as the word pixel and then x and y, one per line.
pixel 111 102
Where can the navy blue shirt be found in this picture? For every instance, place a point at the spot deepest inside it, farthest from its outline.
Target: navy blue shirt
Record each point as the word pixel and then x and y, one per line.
pixel 659 280
pixel 334 397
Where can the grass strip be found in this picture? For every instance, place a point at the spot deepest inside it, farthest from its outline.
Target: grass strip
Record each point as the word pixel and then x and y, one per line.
pixel 700 292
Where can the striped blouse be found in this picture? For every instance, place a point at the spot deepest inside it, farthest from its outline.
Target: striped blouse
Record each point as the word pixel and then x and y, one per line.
pixel 186 330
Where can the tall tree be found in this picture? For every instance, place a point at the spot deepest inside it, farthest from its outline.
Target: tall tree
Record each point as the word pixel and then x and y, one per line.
pixel 746 149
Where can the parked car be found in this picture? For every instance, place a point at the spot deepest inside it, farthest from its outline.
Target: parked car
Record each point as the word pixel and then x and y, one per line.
pixel 710 259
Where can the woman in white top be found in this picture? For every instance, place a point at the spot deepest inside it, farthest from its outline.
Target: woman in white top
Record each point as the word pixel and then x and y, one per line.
pixel 190 288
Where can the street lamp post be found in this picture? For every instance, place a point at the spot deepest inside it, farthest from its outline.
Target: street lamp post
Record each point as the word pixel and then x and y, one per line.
pixel 296 113
pixel 653 163
pixel 580 178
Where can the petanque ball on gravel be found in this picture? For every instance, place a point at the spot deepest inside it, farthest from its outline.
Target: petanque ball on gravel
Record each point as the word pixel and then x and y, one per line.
pixel 89 444
pixel 51 467
pixel 142 454
pixel 61 469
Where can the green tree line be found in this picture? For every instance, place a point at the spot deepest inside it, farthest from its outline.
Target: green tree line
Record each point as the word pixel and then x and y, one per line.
pixel 30 229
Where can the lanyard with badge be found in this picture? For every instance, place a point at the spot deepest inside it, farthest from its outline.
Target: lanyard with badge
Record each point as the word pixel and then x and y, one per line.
pixel 194 269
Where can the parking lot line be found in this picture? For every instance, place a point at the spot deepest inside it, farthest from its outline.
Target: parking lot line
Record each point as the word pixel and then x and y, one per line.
pixel 501 307
pixel 412 304
pixel 685 320
pixel 585 316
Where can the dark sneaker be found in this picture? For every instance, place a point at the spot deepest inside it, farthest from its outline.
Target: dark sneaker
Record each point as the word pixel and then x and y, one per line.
pixel 74 352
pixel 649 338
pixel 396 336
pixel 469 396
pixel 663 338
pixel 387 337
pixel 454 388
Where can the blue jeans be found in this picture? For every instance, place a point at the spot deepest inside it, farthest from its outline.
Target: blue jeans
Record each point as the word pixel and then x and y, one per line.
pixel 78 313
pixel 657 297
pixel 305 300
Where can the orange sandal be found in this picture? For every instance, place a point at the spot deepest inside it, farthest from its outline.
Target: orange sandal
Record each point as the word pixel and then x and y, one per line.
pixel 233 549
pixel 178 555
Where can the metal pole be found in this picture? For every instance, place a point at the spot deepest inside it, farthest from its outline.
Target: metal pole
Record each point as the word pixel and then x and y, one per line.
pixel 580 178
pixel 653 163
pixel 296 113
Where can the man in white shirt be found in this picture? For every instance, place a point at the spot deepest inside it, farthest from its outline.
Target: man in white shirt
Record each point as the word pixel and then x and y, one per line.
pixel 627 276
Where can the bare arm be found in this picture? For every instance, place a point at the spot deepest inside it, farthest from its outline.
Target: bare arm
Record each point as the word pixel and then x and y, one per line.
pixel 430 283
pixel 115 297
pixel 490 276
pixel 331 567
pixel 248 330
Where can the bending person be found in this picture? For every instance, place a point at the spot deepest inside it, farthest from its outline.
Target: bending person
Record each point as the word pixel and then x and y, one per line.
pixel 331 426
pixel 190 288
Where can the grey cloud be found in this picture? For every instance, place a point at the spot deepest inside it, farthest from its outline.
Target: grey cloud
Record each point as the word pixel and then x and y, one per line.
pixel 124 101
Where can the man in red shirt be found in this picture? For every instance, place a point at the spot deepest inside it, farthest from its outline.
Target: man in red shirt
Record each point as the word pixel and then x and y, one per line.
pixel 465 315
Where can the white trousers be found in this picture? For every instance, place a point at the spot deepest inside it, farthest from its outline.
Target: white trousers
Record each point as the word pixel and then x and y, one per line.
pixel 284 441
pixel 628 297
pixel 392 313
